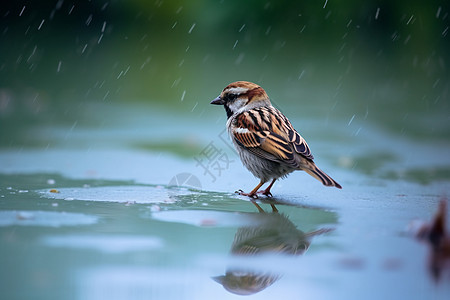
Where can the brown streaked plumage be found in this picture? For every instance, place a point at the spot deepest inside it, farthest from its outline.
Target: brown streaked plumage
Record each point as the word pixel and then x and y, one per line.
pixel 267 143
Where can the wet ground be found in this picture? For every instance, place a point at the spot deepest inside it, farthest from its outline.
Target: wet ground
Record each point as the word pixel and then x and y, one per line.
pixel 139 204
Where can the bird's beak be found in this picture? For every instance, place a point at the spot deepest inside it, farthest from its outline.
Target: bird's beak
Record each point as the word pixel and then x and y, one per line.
pixel 218 101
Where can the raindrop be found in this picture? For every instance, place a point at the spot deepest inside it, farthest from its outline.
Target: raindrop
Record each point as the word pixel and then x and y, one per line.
pixel 351 120
pixel 326 1
pixel 89 20
pixel 394 36
pixel 174 24
pixel 407 39
pixel 301 74
pixel 349 22
pixel 268 30
pixel 105 5
pixel 84 48
pixel 147 60
pixel 179 9
pixel 120 74
pixel 235 44
pixel 126 71
pixel 32 53
pixel 192 28
pixel 436 83
pixel 182 95
pixel 42 23
pixel 205 58
pixel 21 12
pixel 104 26
pixel 59 67
pixel 176 82
pixel 187 49
pixel 100 39
pixel 242 27
pixel 71 9
pixel 376 14
pixel 59 4
pixel 444 33
pixel 240 58
pixel 437 13
pixel 196 103
pixel 70 130
pixel 303 28
pixel 409 21
pixel 74 125
pixel 437 99
pixel 106 95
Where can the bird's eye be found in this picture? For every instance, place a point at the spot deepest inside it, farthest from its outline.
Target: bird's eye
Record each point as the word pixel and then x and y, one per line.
pixel 232 97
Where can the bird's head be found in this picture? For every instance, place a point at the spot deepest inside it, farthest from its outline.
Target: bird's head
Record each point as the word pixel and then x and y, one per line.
pixel 241 96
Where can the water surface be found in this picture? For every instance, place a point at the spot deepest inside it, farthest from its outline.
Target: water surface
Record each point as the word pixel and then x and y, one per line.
pixel 135 209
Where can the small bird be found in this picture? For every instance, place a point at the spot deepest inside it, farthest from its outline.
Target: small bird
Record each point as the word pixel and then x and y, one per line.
pixel 267 143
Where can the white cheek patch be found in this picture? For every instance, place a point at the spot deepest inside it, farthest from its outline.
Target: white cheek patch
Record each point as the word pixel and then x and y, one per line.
pixel 237 104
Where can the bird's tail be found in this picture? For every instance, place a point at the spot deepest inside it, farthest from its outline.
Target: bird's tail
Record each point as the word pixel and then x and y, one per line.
pixel 320 175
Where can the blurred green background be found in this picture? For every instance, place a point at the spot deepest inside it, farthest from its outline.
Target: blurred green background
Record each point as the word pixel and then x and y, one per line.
pixel 385 60
pixel 109 101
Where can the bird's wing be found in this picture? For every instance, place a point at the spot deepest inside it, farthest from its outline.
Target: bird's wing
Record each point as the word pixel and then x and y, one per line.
pixel 268 134
pixel 299 143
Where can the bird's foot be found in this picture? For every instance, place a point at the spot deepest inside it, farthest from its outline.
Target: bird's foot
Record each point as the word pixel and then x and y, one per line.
pixel 251 195
pixel 265 193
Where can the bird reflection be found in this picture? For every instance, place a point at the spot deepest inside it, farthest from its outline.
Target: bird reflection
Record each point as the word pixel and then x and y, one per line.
pixel 274 233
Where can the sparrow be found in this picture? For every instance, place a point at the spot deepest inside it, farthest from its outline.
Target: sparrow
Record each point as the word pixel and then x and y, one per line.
pixel 267 143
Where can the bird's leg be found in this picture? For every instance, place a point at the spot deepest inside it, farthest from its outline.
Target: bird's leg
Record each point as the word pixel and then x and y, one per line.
pixel 274 209
pixel 252 194
pixel 258 207
pixel 267 192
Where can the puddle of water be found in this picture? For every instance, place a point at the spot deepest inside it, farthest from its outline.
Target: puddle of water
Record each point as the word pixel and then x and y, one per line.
pixel 44 218
pixel 92 220
pixel 120 194
pixel 104 243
